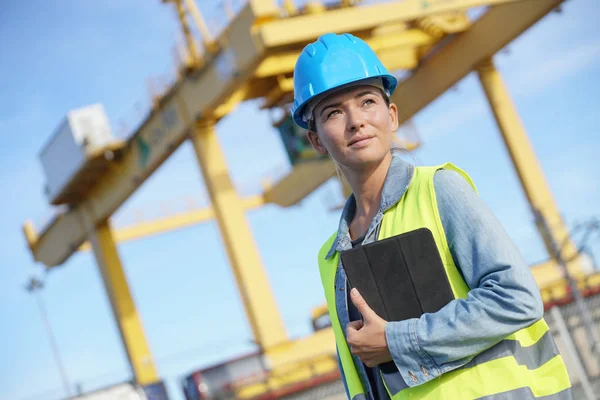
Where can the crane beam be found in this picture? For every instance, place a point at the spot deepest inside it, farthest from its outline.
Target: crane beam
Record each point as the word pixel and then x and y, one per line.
pixel 173 222
pixel 123 306
pixel 451 63
pixel 306 28
pixel 300 182
pixel 283 62
pixel 254 288
pixel 527 166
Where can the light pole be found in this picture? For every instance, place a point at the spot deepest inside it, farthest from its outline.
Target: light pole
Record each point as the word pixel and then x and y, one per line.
pixel 34 286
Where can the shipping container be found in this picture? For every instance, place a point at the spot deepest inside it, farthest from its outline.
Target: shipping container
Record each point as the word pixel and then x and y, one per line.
pixel 217 382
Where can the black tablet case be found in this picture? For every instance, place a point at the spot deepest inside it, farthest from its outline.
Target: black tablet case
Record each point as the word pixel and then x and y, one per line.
pixel 400 277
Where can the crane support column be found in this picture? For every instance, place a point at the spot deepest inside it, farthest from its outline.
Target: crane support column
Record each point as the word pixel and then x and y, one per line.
pixel 254 288
pixel 130 326
pixel 525 161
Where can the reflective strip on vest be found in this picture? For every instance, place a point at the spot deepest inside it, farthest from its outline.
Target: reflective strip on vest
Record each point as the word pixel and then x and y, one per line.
pixel 526 362
pixel 493 377
pixel 527 355
pixel 532 357
pixel 526 394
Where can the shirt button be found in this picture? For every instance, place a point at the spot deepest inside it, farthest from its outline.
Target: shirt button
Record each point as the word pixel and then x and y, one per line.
pixel 412 376
pixel 425 372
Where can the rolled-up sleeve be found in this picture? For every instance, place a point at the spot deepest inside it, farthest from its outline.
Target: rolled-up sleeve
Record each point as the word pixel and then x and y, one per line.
pixel 503 296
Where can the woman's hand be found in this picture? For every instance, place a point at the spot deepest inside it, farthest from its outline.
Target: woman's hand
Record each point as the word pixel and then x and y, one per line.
pixel 367 338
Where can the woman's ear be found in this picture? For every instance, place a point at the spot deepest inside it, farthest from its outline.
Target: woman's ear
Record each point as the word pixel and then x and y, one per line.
pixel 393 110
pixel 314 139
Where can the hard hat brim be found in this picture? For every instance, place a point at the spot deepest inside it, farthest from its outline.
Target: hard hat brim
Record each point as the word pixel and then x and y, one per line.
pixel 389 85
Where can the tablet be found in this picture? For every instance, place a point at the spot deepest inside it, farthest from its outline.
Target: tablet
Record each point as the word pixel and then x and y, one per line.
pixel 399 277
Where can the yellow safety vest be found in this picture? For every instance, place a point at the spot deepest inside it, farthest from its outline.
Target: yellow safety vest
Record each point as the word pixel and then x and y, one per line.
pixel 498 369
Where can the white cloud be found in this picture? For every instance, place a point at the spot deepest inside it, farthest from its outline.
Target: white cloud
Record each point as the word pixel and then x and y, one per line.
pixel 560 66
pixel 576 179
pixel 529 81
pixel 574 171
pixel 452 119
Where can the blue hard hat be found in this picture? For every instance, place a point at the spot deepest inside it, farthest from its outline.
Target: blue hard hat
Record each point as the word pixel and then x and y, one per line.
pixel 331 62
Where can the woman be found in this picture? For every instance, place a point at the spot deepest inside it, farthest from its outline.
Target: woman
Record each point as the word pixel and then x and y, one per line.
pixel 491 341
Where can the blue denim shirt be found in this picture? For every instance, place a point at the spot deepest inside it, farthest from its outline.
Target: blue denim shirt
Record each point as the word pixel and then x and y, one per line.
pixel 503 297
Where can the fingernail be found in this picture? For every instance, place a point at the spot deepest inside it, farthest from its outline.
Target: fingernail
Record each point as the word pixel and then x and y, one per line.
pixel 354 291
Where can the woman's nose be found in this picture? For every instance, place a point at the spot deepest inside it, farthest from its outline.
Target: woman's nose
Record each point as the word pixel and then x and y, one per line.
pixel 355 120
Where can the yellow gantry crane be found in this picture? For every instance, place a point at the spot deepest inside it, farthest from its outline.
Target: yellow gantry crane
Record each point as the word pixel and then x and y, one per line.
pixel 253 58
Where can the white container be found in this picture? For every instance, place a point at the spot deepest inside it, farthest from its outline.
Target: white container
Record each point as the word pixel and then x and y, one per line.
pixel 120 391
pixel 81 131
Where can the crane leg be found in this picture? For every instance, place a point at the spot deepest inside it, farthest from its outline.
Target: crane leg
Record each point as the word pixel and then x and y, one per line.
pixel 130 326
pixel 537 190
pixel 253 286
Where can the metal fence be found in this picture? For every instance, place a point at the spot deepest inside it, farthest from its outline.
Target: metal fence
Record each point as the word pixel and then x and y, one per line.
pixel 329 391
pixel 571 338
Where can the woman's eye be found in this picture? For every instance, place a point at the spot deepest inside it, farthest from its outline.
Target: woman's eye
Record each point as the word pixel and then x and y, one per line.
pixel 368 102
pixel 332 114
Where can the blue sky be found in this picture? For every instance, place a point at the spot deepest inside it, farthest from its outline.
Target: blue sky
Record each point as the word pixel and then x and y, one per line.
pixel 59 57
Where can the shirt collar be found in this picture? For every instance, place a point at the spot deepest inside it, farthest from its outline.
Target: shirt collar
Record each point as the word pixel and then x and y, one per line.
pixel 394 187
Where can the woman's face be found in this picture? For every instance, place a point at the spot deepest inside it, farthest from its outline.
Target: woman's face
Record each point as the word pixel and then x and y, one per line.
pixel 354 127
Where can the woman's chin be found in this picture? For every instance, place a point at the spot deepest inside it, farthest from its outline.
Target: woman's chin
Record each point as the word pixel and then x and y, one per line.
pixel 367 156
